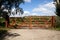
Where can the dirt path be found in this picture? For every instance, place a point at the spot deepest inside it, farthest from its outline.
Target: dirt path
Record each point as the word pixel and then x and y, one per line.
pixel 33 34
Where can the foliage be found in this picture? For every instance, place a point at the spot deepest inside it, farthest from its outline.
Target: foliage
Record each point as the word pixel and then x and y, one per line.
pixel 8 4
pixel 57 7
pixel 2 23
pixel 57 21
pixel 3 32
pixel 2 19
pixel 6 7
pixel 57 4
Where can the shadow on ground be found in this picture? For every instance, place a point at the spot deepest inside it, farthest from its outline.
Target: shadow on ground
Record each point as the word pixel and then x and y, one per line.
pixel 4 34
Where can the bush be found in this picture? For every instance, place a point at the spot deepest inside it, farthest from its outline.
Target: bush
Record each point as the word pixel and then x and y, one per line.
pixel 2 24
pixel 57 22
pixel 3 34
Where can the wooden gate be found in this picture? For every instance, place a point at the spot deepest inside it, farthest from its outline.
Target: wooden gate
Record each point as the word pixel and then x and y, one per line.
pixel 36 22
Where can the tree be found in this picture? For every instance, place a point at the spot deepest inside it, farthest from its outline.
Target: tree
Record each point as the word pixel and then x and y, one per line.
pixel 17 10
pixel 57 4
pixel 6 7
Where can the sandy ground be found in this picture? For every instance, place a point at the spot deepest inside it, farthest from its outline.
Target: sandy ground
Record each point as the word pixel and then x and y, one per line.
pixel 33 34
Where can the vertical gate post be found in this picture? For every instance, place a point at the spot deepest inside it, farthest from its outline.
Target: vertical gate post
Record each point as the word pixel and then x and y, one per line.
pixel 6 24
pixel 30 23
pixel 53 21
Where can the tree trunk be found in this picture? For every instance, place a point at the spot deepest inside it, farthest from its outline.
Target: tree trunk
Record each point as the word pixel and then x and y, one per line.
pixel 7 21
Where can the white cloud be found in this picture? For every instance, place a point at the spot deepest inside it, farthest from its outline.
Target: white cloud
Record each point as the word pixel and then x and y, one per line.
pixel 5 10
pixel 27 0
pixel 33 14
pixel 26 13
pixel 48 9
pixel 50 5
pixel 13 9
pixel 42 10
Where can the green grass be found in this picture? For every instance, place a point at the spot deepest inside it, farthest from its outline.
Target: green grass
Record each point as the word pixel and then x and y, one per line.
pixel 4 28
pixel 57 28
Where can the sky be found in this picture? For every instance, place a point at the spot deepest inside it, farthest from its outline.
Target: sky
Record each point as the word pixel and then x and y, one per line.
pixel 38 8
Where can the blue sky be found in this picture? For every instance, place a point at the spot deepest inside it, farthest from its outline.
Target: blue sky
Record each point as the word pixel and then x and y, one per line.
pixel 33 3
pixel 38 8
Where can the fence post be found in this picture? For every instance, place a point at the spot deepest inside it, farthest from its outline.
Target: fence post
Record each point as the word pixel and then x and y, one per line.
pixel 53 21
pixel 30 23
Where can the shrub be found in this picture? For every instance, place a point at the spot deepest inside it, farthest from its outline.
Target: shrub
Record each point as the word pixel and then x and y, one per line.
pixel 3 33
pixel 57 22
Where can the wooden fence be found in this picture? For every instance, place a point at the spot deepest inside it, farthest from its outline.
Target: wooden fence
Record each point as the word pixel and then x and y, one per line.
pixel 34 22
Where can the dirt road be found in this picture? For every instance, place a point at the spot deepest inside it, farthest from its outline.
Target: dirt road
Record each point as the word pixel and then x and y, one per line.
pixel 33 34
